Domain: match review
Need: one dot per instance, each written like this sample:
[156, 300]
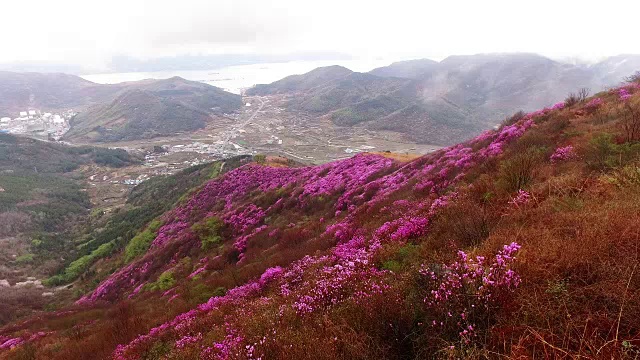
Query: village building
[57, 119]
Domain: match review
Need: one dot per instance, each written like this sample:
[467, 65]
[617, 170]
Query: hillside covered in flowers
[520, 243]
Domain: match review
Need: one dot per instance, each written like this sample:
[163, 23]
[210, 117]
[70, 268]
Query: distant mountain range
[124, 111]
[447, 101]
[430, 102]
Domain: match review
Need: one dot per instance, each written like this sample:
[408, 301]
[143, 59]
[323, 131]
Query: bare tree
[630, 122]
[635, 78]
[514, 118]
[571, 100]
[583, 94]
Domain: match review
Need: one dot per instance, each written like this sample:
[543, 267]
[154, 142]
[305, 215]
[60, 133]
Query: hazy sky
[90, 32]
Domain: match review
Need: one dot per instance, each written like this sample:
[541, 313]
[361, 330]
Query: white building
[23, 114]
[5, 120]
[57, 119]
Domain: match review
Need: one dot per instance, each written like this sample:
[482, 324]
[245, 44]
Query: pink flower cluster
[11, 343]
[624, 94]
[403, 228]
[465, 292]
[229, 348]
[522, 198]
[168, 232]
[317, 284]
[563, 153]
[594, 104]
[507, 134]
[335, 284]
[245, 218]
[187, 340]
[197, 272]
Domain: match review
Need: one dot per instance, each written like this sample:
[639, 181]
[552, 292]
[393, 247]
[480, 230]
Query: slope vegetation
[37, 179]
[42, 200]
[519, 243]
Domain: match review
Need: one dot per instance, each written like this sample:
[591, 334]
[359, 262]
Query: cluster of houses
[35, 122]
[37, 114]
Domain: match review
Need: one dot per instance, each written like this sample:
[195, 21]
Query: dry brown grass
[278, 161]
[406, 157]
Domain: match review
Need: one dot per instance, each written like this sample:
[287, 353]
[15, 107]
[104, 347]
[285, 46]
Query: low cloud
[90, 32]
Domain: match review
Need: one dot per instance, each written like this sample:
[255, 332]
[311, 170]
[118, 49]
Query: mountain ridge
[463, 93]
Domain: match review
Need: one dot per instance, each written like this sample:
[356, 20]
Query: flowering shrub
[187, 340]
[244, 219]
[563, 153]
[197, 272]
[522, 198]
[11, 343]
[230, 347]
[338, 283]
[465, 294]
[403, 228]
[507, 134]
[624, 94]
[593, 105]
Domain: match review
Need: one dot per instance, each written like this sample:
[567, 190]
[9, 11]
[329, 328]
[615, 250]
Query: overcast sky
[90, 32]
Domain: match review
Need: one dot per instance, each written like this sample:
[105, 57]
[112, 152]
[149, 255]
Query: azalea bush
[593, 105]
[465, 295]
[563, 153]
